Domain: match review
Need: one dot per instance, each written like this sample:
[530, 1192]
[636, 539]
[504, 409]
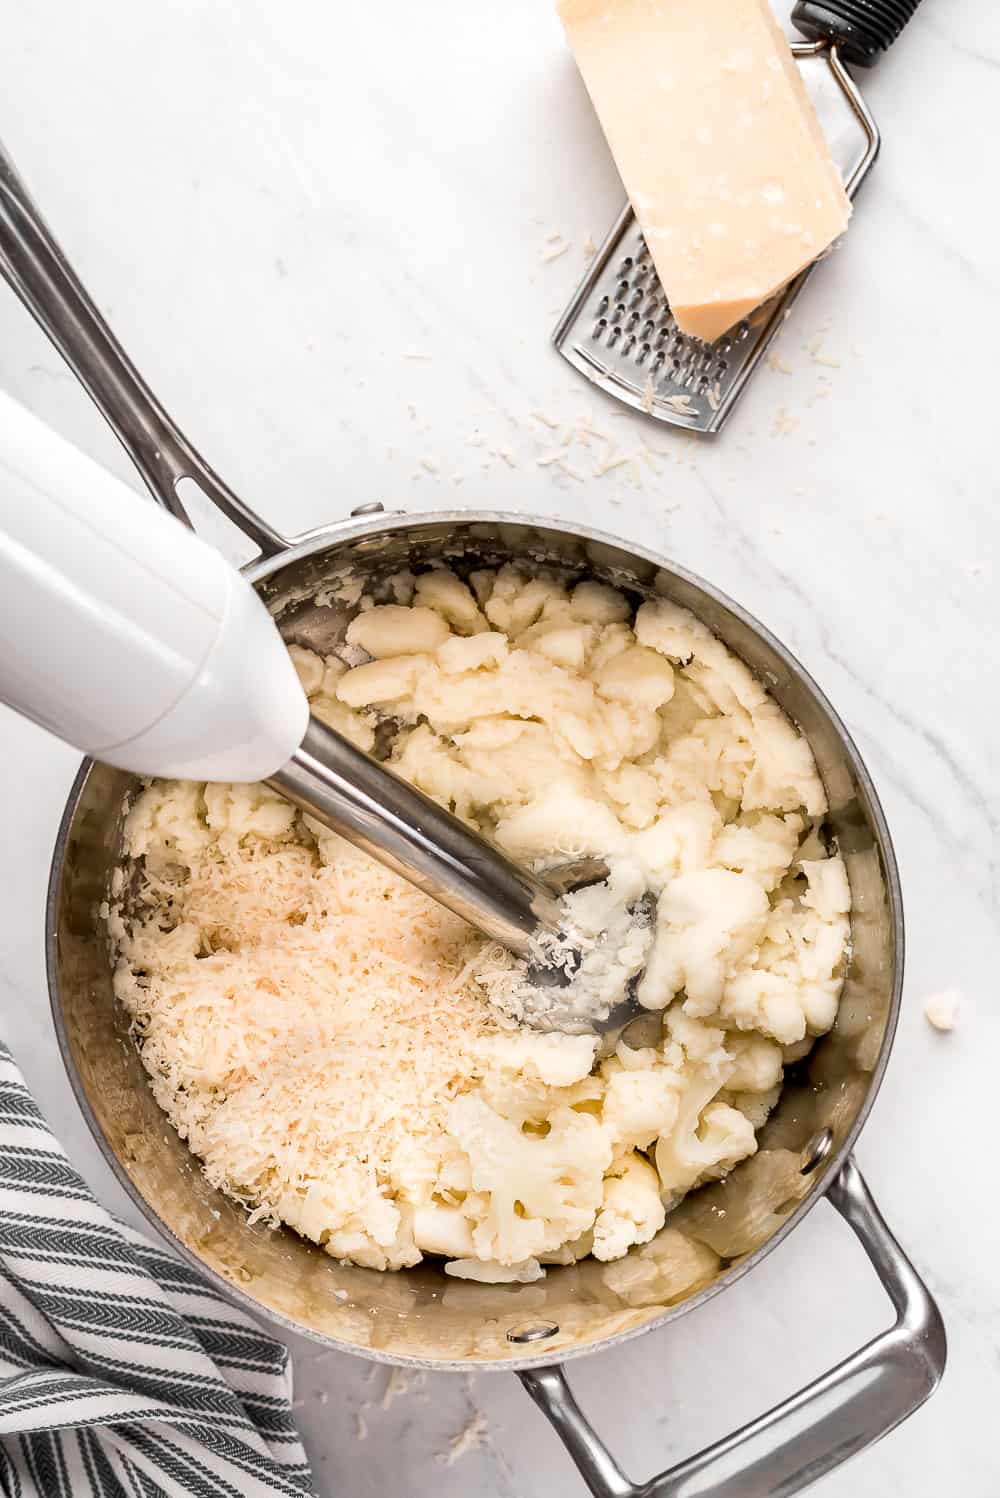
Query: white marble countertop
[273, 204]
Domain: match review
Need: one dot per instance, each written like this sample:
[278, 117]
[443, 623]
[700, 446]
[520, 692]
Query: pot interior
[420, 1314]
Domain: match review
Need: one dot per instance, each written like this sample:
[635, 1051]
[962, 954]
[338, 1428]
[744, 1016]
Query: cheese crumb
[941, 1009]
[399, 1383]
[474, 1434]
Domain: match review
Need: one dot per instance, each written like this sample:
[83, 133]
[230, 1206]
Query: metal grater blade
[618, 330]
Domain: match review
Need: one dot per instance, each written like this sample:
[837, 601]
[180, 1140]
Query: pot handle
[35, 267]
[817, 1429]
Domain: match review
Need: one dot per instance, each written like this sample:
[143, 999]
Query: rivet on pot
[816, 1151]
[532, 1331]
[376, 507]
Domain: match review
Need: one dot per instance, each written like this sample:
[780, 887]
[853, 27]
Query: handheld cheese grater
[618, 329]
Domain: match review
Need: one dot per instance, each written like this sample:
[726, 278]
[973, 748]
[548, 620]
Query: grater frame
[618, 332]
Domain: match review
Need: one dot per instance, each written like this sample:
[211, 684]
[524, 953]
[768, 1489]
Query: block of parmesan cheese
[717, 144]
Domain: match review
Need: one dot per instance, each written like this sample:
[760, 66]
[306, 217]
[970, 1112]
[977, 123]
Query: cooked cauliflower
[707, 1137]
[535, 1191]
[632, 1211]
[639, 1106]
[321, 1033]
[706, 923]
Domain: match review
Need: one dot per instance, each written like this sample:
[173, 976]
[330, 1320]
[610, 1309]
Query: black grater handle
[860, 29]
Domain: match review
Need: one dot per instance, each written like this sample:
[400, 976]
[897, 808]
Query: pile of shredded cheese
[343, 1054]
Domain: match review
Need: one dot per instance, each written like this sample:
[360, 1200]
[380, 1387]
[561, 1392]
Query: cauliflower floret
[677, 634]
[637, 675]
[516, 601]
[168, 816]
[564, 644]
[392, 629]
[757, 999]
[472, 653]
[564, 822]
[442, 1229]
[829, 893]
[323, 703]
[757, 1063]
[678, 842]
[784, 775]
[673, 631]
[597, 603]
[759, 844]
[689, 706]
[521, 760]
[524, 684]
[492, 734]
[725, 680]
[706, 923]
[613, 640]
[443, 591]
[711, 760]
[354, 726]
[556, 1060]
[428, 763]
[634, 792]
[623, 731]
[707, 1137]
[632, 1210]
[386, 680]
[248, 810]
[372, 1232]
[790, 986]
[639, 1105]
[308, 668]
[537, 1190]
[705, 1143]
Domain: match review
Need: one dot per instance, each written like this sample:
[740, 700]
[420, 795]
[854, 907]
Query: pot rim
[307, 544]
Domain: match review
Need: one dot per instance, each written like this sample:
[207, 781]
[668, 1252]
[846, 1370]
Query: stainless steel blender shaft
[346, 789]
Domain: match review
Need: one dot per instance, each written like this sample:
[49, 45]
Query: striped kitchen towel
[122, 1374]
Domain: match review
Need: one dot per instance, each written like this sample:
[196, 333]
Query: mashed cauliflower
[321, 1033]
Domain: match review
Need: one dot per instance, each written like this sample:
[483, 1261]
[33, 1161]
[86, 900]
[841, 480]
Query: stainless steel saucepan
[417, 1316]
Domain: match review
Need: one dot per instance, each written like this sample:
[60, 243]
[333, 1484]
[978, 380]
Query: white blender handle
[124, 634]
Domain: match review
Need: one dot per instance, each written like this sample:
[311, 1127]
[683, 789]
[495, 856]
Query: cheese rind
[717, 143]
